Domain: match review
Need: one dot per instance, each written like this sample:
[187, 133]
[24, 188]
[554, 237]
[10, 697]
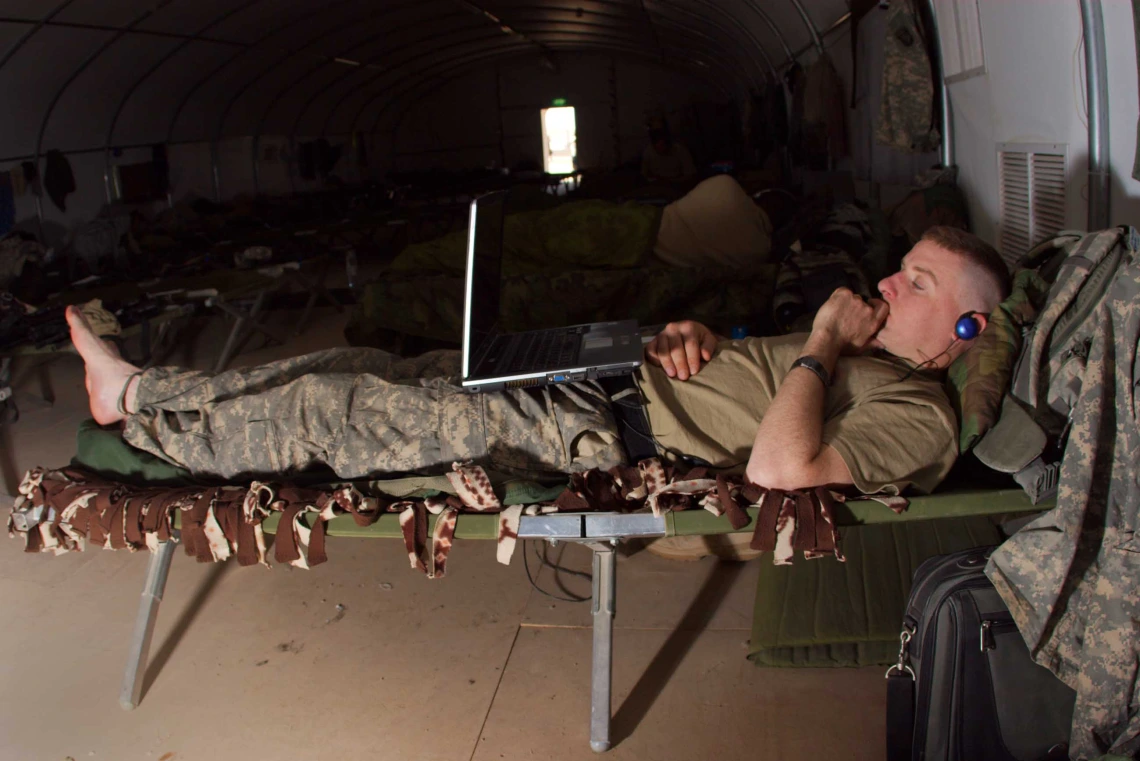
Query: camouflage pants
[365, 412]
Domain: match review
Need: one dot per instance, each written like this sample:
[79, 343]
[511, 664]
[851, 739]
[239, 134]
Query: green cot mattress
[823, 614]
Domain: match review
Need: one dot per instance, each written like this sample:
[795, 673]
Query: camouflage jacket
[906, 109]
[1071, 578]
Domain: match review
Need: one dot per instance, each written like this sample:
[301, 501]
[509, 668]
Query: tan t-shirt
[890, 432]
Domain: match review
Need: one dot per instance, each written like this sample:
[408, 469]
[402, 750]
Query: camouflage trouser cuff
[121, 405]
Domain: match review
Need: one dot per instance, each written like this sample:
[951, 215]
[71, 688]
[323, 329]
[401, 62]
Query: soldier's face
[924, 297]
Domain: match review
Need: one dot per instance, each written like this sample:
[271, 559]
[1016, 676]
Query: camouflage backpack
[1028, 438]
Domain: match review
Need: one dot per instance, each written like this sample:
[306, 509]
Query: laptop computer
[494, 360]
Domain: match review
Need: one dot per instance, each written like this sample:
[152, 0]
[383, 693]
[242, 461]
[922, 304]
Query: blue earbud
[967, 328]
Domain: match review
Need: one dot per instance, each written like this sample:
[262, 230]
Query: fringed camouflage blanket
[64, 510]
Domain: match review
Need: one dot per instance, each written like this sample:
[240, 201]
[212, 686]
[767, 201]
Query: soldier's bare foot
[106, 371]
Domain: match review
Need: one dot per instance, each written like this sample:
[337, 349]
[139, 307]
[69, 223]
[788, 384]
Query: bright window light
[559, 140]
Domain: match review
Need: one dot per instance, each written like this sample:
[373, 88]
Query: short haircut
[976, 251]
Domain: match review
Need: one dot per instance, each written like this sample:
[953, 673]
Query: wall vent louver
[1031, 183]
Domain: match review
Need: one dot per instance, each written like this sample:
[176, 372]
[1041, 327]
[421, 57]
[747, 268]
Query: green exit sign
[558, 102]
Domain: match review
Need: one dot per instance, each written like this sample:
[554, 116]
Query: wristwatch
[813, 364]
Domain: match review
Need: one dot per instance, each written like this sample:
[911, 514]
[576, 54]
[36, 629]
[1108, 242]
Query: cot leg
[304, 320]
[260, 325]
[231, 340]
[239, 333]
[156, 572]
[601, 671]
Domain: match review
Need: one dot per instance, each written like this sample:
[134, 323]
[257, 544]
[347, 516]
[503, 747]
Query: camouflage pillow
[979, 379]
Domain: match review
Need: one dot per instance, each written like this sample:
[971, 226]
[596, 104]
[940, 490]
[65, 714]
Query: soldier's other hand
[681, 348]
[849, 321]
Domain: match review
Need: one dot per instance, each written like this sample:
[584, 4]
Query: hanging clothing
[777, 104]
[795, 79]
[768, 120]
[31, 177]
[874, 160]
[160, 170]
[824, 114]
[7, 204]
[859, 9]
[19, 183]
[906, 108]
[136, 182]
[1136, 32]
[58, 179]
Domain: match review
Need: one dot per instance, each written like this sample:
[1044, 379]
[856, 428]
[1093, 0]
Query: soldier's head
[949, 273]
[660, 140]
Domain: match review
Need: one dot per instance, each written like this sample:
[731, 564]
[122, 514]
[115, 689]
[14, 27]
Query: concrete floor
[250, 664]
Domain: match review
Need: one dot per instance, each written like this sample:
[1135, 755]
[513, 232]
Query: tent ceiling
[88, 74]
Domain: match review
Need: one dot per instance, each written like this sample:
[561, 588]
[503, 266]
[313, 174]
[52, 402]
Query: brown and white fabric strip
[64, 510]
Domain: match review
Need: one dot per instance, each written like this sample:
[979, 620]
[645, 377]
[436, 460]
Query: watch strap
[811, 363]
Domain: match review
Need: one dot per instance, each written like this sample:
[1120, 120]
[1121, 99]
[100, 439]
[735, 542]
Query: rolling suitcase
[965, 687]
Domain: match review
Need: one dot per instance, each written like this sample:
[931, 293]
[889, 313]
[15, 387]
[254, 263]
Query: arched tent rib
[40, 24]
[728, 71]
[297, 15]
[281, 59]
[210, 75]
[504, 24]
[753, 6]
[394, 99]
[348, 94]
[676, 7]
[456, 63]
[267, 81]
[412, 88]
[370, 63]
[317, 66]
[816, 39]
[67, 83]
[1096, 74]
[349, 55]
[147, 74]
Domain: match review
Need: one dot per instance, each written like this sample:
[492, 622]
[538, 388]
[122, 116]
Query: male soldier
[853, 403]
[665, 159]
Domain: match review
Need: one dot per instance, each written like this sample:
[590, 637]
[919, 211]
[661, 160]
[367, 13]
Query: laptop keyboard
[540, 350]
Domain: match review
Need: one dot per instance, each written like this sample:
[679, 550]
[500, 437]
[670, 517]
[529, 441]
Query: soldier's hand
[681, 348]
[849, 321]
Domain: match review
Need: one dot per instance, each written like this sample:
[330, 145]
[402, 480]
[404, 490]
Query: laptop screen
[484, 264]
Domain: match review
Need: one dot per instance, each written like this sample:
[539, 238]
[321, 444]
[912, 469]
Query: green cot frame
[601, 532]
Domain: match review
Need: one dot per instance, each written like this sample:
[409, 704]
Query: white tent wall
[235, 166]
[190, 173]
[273, 168]
[1034, 91]
[190, 177]
[82, 205]
[457, 126]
